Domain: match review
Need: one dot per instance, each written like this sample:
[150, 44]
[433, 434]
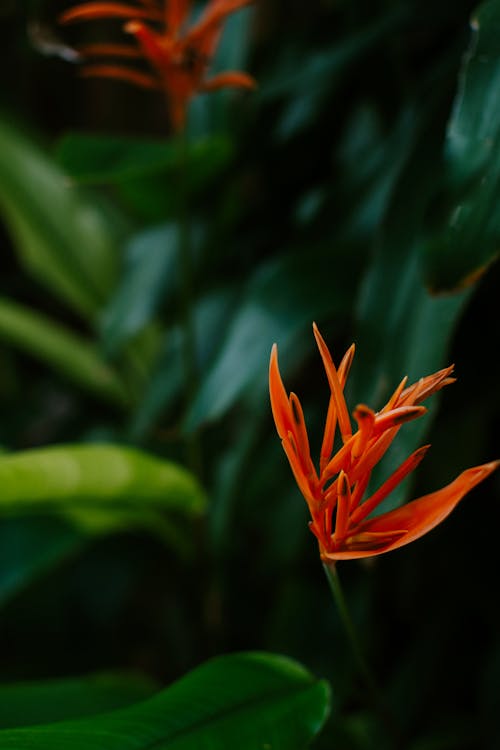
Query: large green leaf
[62, 236]
[472, 235]
[248, 701]
[70, 354]
[27, 703]
[282, 298]
[402, 328]
[102, 488]
[93, 474]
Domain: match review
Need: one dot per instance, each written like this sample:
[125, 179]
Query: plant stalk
[358, 654]
[186, 300]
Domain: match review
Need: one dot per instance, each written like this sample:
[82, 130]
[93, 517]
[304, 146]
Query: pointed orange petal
[230, 78]
[121, 74]
[373, 454]
[396, 417]
[343, 503]
[302, 480]
[92, 11]
[300, 436]
[328, 435]
[359, 491]
[395, 396]
[389, 485]
[280, 404]
[176, 12]
[422, 515]
[365, 417]
[149, 41]
[425, 387]
[345, 365]
[341, 460]
[335, 386]
[331, 416]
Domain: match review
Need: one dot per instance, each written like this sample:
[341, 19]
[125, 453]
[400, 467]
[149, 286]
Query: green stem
[187, 302]
[357, 651]
[345, 616]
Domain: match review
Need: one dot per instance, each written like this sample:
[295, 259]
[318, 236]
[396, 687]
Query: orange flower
[339, 487]
[178, 57]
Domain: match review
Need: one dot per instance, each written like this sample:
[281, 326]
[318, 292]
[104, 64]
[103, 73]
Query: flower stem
[186, 299]
[357, 651]
[345, 616]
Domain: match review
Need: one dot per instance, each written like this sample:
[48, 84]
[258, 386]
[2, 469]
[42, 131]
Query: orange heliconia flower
[335, 494]
[178, 57]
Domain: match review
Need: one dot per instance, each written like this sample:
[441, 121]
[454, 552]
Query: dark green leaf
[111, 159]
[472, 235]
[266, 315]
[403, 329]
[148, 278]
[248, 701]
[27, 703]
[31, 546]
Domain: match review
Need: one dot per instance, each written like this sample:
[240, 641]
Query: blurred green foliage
[359, 187]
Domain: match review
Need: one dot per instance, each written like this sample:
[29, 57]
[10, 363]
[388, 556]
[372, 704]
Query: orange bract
[335, 494]
[178, 57]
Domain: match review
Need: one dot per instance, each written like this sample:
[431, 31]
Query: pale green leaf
[61, 349]
[94, 475]
[61, 235]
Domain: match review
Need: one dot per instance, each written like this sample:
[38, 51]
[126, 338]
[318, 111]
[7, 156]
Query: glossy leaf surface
[94, 474]
[470, 242]
[247, 701]
[28, 703]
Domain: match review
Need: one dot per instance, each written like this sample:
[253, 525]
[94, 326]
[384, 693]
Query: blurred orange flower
[339, 487]
[178, 57]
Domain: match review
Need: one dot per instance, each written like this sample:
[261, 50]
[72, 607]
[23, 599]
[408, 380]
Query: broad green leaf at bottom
[247, 701]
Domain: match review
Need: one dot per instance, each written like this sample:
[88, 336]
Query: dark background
[325, 196]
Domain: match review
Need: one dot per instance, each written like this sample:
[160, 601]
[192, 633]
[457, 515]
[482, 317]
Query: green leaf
[472, 235]
[102, 488]
[402, 328]
[248, 701]
[26, 703]
[96, 474]
[61, 235]
[266, 315]
[31, 546]
[112, 159]
[72, 356]
[309, 85]
[148, 278]
[163, 390]
[145, 174]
